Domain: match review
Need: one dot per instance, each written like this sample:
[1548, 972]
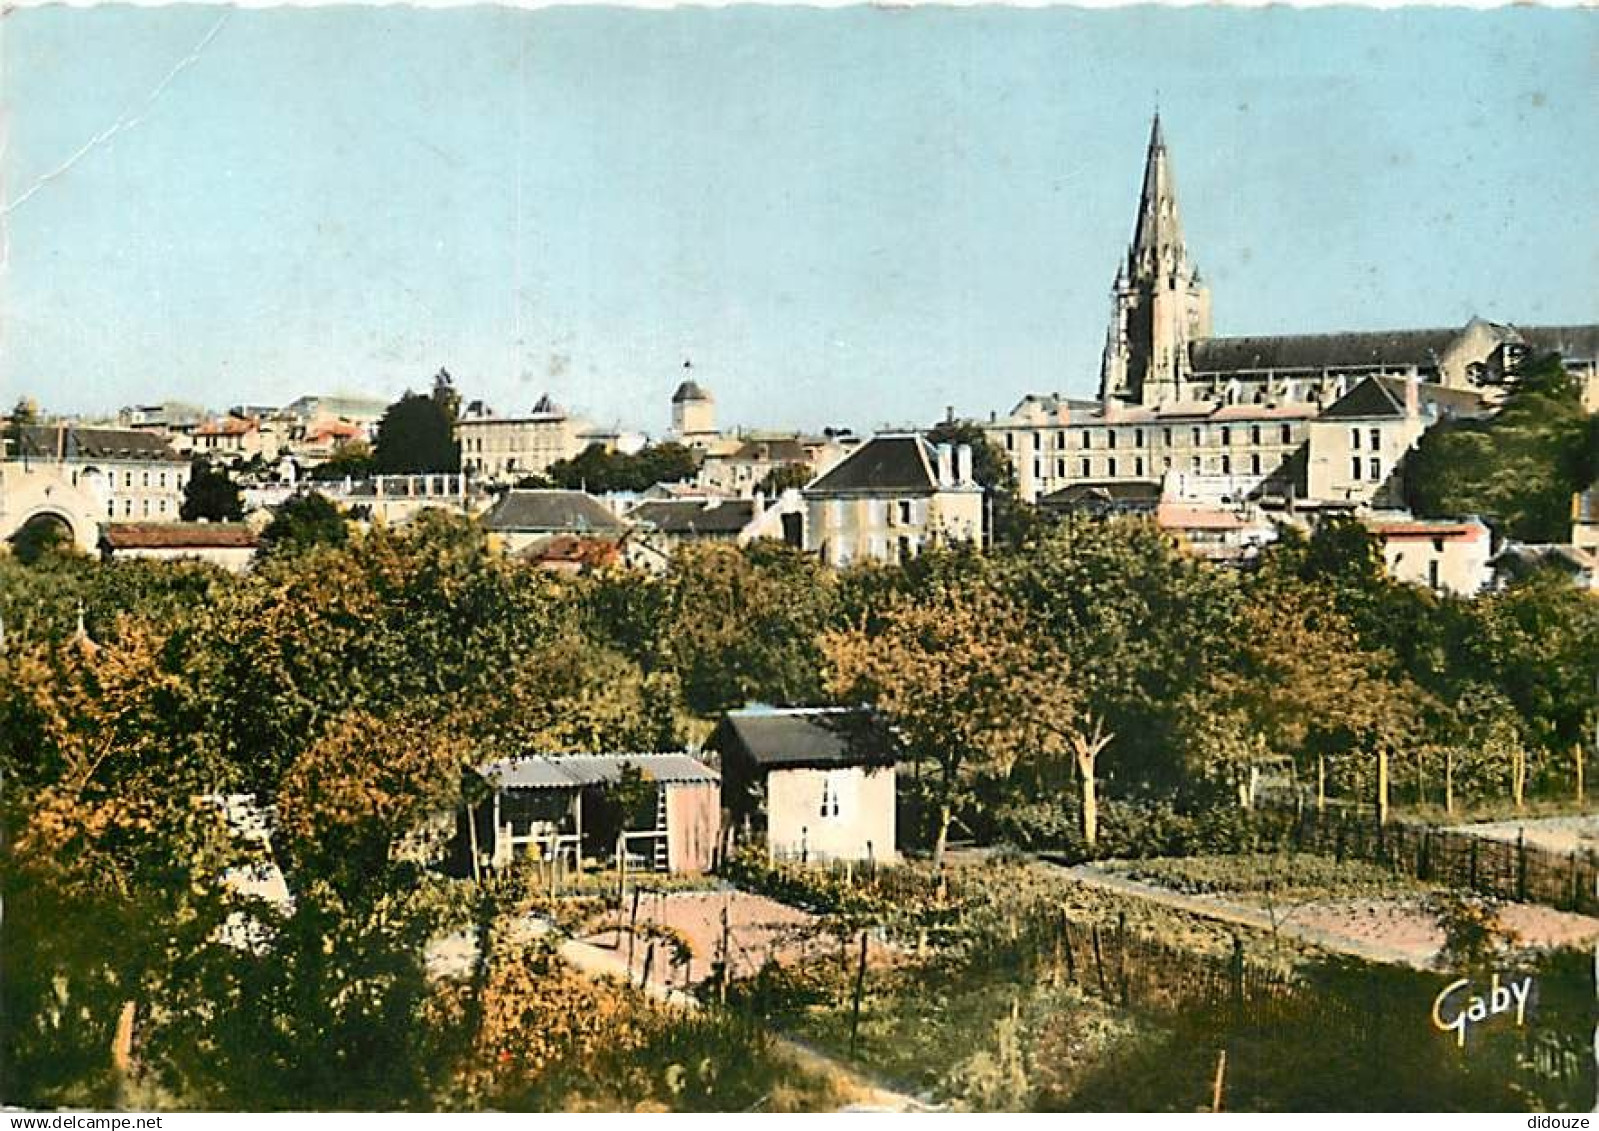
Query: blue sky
[851, 216]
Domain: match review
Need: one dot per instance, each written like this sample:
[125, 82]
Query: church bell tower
[1159, 305]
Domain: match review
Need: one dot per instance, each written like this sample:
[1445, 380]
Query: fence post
[1121, 957]
[1099, 963]
[1521, 864]
[1066, 935]
[855, 1005]
[1471, 881]
[1238, 978]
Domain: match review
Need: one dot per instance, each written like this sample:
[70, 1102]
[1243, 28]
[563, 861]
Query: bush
[1134, 829]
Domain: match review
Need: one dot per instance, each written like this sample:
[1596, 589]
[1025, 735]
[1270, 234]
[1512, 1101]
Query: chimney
[946, 465]
[1412, 395]
[757, 504]
[963, 464]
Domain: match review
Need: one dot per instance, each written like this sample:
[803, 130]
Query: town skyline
[927, 227]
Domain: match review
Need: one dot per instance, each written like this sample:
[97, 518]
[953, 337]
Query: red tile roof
[180, 536]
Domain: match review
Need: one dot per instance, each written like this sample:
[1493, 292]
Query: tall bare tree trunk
[945, 816]
[1449, 780]
[1090, 809]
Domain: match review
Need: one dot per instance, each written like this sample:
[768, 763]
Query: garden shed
[573, 808]
[811, 783]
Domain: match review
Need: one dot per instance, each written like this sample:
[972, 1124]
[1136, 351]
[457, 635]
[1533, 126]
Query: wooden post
[1449, 780]
[1382, 787]
[621, 884]
[1577, 753]
[122, 1041]
[855, 1004]
[632, 930]
[1121, 957]
[727, 956]
[1238, 977]
[1321, 783]
[1221, 1077]
[1521, 865]
[1066, 937]
[1099, 962]
[649, 963]
[471, 843]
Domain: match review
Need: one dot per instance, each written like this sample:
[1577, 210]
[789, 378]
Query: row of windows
[127, 479]
[1136, 467]
[127, 508]
[1224, 434]
[880, 512]
[1376, 439]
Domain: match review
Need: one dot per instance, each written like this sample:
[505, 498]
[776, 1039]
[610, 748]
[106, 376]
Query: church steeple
[1159, 305]
[1158, 234]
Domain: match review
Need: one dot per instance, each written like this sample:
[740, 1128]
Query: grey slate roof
[551, 511]
[771, 737]
[1352, 350]
[689, 391]
[72, 441]
[883, 463]
[1385, 397]
[694, 516]
[1573, 343]
[1116, 491]
[575, 771]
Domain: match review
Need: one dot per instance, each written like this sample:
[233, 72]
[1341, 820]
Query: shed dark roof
[574, 771]
[695, 516]
[774, 738]
[883, 463]
[550, 511]
[1351, 350]
[72, 441]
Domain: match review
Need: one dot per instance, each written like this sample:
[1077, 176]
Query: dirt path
[869, 1094]
[1212, 907]
[1395, 931]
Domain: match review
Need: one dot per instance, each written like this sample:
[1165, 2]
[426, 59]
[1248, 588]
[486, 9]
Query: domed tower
[1159, 304]
[693, 413]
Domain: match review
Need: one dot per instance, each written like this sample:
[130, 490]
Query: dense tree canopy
[598, 470]
[351, 681]
[1519, 468]
[211, 495]
[416, 434]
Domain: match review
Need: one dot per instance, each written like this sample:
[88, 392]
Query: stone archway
[41, 531]
[45, 493]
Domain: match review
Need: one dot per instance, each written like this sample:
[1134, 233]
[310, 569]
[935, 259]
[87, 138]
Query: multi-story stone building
[891, 498]
[127, 473]
[1218, 419]
[509, 447]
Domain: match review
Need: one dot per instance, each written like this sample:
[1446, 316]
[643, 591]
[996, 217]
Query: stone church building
[1233, 418]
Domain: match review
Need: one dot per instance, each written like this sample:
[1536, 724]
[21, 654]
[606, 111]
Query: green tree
[351, 460]
[211, 495]
[785, 477]
[416, 434]
[599, 470]
[965, 686]
[1518, 468]
[304, 521]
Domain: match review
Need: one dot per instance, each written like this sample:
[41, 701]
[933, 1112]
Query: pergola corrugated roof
[575, 771]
